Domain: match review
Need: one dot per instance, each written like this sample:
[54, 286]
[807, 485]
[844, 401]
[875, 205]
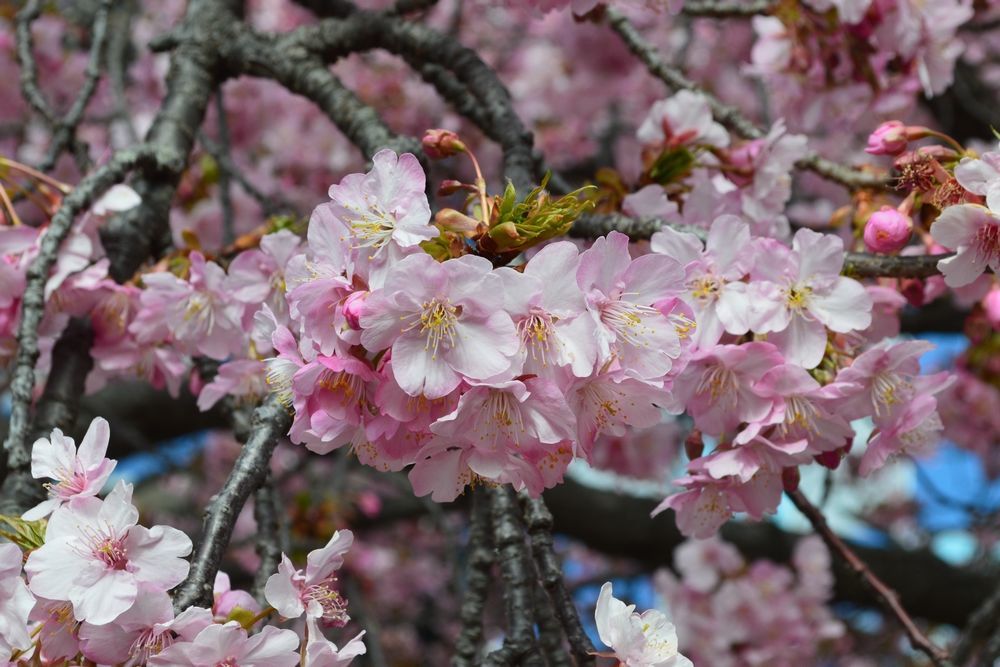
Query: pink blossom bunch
[729, 612]
[96, 588]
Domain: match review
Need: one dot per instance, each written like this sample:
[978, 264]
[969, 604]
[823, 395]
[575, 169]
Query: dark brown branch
[887, 597]
[983, 622]
[539, 521]
[477, 583]
[270, 423]
[26, 60]
[519, 645]
[266, 514]
[726, 114]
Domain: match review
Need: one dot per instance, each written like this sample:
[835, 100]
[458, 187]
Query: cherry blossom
[638, 640]
[16, 602]
[96, 557]
[973, 231]
[78, 473]
[312, 592]
[230, 645]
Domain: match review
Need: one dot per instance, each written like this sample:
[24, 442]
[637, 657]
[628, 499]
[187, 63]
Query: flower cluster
[732, 613]
[95, 582]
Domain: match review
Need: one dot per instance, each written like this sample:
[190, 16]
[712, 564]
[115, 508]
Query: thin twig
[887, 597]
[727, 8]
[225, 194]
[270, 422]
[30, 90]
[983, 621]
[726, 114]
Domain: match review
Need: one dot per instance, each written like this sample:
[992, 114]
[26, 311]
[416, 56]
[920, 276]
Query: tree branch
[728, 115]
[728, 8]
[887, 597]
[539, 520]
[477, 583]
[270, 423]
[519, 646]
[268, 542]
[983, 622]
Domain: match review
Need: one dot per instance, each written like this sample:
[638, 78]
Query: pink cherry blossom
[548, 311]
[914, 430]
[973, 231]
[16, 603]
[226, 599]
[96, 557]
[229, 646]
[312, 592]
[638, 640]
[143, 631]
[78, 473]
[717, 387]
[680, 120]
[889, 138]
[621, 294]
[321, 652]
[798, 294]
[445, 323]
[713, 286]
[199, 312]
[981, 176]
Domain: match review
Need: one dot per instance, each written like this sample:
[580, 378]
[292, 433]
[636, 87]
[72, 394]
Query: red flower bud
[442, 143]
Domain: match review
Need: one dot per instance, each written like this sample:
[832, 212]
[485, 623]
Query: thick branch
[539, 521]
[519, 646]
[477, 583]
[887, 597]
[270, 422]
[726, 8]
[728, 115]
[193, 78]
[266, 513]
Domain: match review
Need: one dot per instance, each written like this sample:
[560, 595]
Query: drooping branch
[33, 302]
[519, 645]
[728, 115]
[887, 597]
[270, 422]
[539, 522]
[477, 583]
[30, 90]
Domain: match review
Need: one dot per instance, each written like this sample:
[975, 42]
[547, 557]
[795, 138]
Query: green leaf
[28, 535]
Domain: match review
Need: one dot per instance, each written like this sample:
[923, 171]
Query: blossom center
[627, 320]
[719, 382]
[437, 319]
[149, 643]
[373, 226]
[888, 390]
[799, 412]
[705, 287]
[501, 417]
[797, 297]
[231, 661]
[111, 551]
[538, 336]
[334, 606]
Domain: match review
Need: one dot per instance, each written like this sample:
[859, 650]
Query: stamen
[436, 319]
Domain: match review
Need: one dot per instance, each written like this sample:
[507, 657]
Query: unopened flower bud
[442, 143]
[991, 304]
[744, 159]
[889, 138]
[354, 308]
[887, 230]
[451, 186]
[694, 445]
[455, 221]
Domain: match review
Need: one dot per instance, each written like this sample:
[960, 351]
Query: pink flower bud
[442, 143]
[790, 478]
[991, 304]
[744, 159]
[889, 138]
[354, 308]
[887, 230]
